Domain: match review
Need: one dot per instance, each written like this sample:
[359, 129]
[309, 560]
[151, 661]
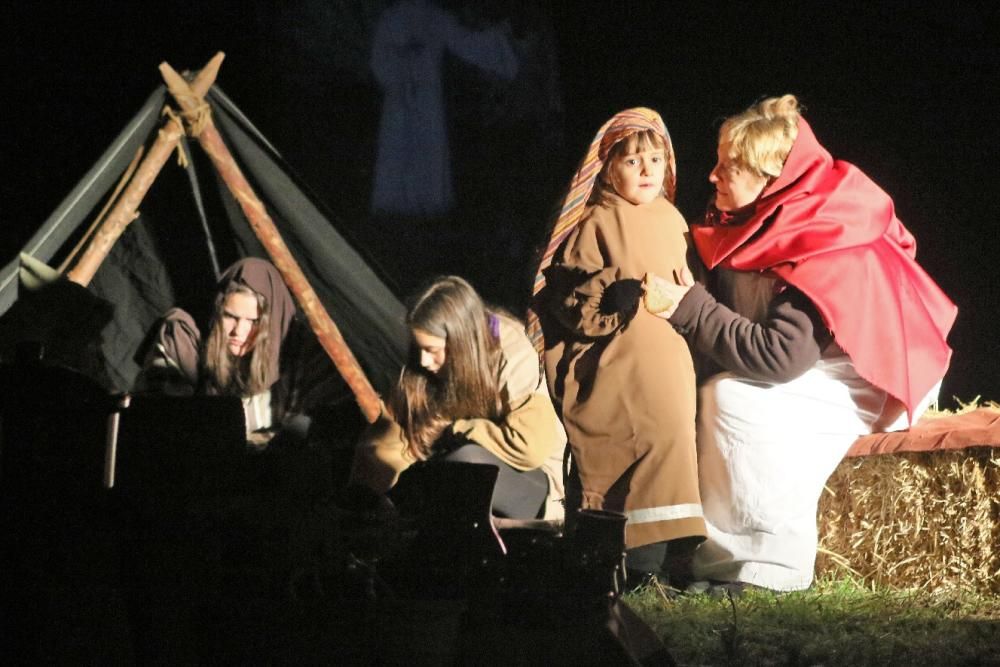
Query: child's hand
[662, 296]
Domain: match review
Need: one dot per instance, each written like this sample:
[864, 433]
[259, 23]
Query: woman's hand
[662, 296]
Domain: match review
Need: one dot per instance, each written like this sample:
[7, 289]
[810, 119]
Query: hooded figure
[254, 348]
[819, 325]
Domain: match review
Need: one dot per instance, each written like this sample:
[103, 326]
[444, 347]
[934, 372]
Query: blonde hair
[226, 373]
[467, 385]
[761, 137]
[633, 143]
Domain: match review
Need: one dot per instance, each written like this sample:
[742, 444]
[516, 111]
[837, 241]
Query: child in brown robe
[624, 382]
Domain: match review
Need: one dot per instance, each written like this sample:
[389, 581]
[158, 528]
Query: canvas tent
[167, 257]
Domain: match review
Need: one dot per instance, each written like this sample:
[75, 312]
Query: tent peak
[208, 73]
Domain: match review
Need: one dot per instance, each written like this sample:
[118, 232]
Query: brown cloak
[624, 378]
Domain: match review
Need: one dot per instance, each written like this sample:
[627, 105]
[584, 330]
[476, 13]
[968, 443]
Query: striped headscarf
[622, 125]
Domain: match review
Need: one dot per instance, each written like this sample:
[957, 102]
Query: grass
[836, 622]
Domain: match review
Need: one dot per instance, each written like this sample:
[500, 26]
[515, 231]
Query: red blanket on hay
[980, 427]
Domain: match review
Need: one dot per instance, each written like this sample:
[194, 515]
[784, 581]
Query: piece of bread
[655, 298]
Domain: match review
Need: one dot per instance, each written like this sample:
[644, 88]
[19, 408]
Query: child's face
[637, 174]
[433, 350]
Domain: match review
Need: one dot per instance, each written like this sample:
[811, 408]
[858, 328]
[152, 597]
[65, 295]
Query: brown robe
[623, 377]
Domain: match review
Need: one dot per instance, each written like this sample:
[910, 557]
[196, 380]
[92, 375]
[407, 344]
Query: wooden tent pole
[203, 128]
[125, 209]
[96, 224]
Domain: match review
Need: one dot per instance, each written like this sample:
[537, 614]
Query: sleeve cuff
[686, 315]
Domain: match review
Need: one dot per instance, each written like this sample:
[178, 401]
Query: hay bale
[928, 520]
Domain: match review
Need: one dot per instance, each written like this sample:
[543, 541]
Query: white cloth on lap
[765, 450]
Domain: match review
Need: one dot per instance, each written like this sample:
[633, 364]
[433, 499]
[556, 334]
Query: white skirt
[764, 453]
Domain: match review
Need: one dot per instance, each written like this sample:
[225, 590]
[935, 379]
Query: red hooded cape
[829, 230]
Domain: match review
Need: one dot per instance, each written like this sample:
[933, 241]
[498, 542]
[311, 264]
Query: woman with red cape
[815, 326]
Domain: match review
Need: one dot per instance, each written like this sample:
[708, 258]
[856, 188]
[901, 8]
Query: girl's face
[240, 314]
[734, 187]
[432, 350]
[637, 174]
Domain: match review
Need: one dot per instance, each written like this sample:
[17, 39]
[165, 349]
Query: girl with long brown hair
[471, 391]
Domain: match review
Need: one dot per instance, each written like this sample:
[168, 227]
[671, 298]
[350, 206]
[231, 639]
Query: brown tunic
[623, 377]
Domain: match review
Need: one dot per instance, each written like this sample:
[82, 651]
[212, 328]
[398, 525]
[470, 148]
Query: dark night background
[906, 94]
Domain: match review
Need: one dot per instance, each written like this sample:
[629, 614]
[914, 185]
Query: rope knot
[174, 118]
[197, 117]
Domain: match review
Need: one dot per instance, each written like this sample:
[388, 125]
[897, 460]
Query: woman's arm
[380, 456]
[170, 365]
[784, 345]
[524, 438]
[530, 430]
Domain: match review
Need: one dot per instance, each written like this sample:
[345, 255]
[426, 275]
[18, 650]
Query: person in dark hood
[254, 348]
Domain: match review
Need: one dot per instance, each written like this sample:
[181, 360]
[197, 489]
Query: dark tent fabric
[64, 221]
[167, 258]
